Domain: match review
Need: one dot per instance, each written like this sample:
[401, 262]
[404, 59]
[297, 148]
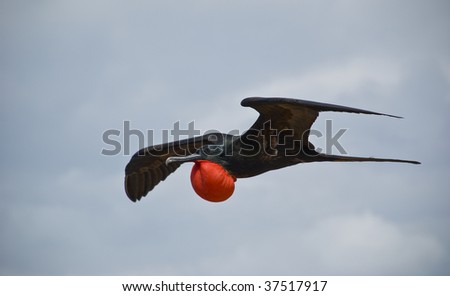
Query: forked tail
[326, 157]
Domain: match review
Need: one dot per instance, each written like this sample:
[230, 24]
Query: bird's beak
[181, 159]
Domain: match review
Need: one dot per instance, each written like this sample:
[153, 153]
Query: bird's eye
[212, 150]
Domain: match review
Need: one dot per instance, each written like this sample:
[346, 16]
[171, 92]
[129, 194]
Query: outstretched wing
[291, 114]
[148, 166]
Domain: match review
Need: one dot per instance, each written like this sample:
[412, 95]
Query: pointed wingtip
[130, 188]
[318, 106]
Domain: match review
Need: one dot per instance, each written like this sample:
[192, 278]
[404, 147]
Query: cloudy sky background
[71, 70]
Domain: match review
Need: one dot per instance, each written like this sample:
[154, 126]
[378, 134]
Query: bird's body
[277, 139]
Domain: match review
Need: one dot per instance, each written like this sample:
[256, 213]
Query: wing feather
[147, 168]
[296, 115]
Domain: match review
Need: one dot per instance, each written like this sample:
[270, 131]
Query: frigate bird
[278, 138]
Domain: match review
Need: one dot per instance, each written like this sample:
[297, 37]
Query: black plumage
[277, 139]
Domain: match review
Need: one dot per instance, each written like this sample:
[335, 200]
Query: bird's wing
[291, 114]
[148, 166]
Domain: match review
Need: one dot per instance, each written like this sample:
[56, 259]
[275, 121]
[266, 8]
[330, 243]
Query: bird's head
[210, 180]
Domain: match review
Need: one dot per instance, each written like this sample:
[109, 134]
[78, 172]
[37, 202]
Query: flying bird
[278, 138]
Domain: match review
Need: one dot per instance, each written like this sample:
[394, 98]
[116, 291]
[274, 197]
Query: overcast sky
[71, 70]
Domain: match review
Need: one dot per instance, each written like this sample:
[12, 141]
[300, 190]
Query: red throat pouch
[211, 181]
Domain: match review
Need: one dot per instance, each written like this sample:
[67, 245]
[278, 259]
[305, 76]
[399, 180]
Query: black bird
[277, 139]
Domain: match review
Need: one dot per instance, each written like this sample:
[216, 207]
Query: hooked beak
[181, 159]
